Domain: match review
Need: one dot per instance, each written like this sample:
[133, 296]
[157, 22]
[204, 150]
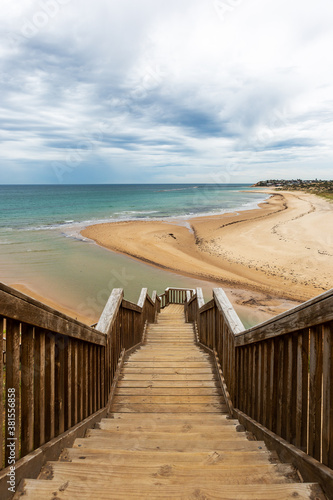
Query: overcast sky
[165, 91]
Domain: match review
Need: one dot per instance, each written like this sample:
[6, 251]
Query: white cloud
[162, 89]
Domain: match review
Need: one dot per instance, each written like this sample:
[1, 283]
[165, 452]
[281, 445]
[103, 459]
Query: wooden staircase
[168, 436]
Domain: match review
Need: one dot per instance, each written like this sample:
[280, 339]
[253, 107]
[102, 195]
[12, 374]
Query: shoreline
[280, 249]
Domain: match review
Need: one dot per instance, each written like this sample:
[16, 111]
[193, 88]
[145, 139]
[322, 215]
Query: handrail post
[108, 316]
[201, 302]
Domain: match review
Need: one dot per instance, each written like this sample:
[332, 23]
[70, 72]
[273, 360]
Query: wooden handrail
[313, 312]
[277, 375]
[18, 306]
[60, 369]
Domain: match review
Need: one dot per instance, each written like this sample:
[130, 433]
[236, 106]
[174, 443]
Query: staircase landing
[168, 436]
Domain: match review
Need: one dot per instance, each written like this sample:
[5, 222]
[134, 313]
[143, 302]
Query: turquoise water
[41, 247]
[49, 207]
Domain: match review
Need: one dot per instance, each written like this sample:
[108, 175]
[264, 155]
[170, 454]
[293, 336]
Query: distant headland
[322, 188]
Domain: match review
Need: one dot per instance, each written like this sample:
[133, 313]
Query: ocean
[41, 246]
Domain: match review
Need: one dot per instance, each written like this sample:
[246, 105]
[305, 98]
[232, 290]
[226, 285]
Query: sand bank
[283, 249]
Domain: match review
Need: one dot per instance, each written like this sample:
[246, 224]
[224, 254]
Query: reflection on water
[80, 275]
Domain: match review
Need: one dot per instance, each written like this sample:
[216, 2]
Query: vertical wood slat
[95, 378]
[250, 383]
[273, 392]
[302, 389]
[100, 387]
[49, 386]
[59, 407]
[327, 431]
[101, 396]
[85, 380]
[27, 389]
[90, 380]
[288, 386]
[39, 388]
[293, 419]
[74, 380]
[260, 381]
[265, 374]
[279, 380]
[79, 382]
[68, 384]
[1, 398]
[12, 431]
[315, 396]
[246, 378]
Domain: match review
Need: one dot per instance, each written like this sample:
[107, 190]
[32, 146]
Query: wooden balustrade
[57, 370]
[285, 372]
[175, 296]
[279, 373]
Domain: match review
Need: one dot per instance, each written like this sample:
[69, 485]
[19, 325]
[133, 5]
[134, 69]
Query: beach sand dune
[284, 249]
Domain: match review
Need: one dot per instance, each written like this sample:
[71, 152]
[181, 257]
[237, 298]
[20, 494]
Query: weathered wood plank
[27, 389]
[313, 312]
[16, 305]
[39, 388]
[2, 417]
[142, 298]
[59, 407]
[109, 314]
[170, 408]
[315, 394]
[12, 429]
[74, 383]
[49, 386]
[68, 374]
[302, 389]
[310, 469]
[130, 306]
[78, 491]
[327, 428]
[230, 316]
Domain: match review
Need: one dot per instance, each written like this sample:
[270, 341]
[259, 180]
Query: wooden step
[161, 458]
[184, 417]
[189, 435]
[168, 436]
[183, 377]
[115, 441]
[149, 425]
[168, 399]
[168, 391]
[84, 490]
[146, 382]
[169, 408]
[202, 476]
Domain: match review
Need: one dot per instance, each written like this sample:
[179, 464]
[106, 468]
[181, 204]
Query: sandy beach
[283, 249]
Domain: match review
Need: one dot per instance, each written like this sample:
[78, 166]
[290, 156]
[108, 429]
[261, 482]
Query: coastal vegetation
[319, 187]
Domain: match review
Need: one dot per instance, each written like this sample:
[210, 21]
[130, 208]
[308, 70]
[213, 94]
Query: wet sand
[282, 250]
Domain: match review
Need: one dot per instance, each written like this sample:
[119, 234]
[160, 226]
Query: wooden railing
[174, 296]
[57, 370]
[278, 374]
